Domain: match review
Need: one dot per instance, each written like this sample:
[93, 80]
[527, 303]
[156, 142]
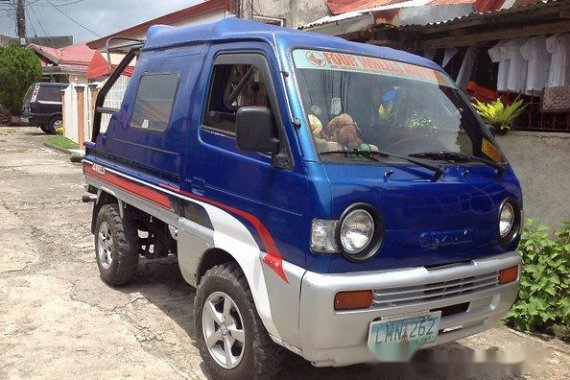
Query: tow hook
[88, 198]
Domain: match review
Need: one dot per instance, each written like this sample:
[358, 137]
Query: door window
[234, 86]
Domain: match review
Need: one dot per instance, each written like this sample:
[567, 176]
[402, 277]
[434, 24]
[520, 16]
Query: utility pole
[21, 22]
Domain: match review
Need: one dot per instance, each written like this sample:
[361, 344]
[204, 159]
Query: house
[287, 13]
[467, 37]
[66, 64]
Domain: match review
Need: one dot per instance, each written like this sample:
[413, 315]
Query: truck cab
[338, 200]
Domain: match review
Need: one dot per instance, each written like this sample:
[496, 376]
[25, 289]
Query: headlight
[359, 233]
[322, 236]
[356, 231]
[506, 220]
[509, 223]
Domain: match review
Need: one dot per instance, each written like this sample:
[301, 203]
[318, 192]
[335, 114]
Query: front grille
[409, 295]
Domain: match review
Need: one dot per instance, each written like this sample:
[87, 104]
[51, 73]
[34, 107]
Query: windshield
[357, 103]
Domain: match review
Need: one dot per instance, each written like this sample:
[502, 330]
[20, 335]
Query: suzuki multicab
[339, 200]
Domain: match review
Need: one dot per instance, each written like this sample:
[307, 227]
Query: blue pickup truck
[338, 200]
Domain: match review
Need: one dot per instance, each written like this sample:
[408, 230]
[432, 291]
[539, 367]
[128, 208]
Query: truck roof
[232, 29]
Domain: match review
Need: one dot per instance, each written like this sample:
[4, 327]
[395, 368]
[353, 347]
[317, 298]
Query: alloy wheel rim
[57, 124]
[105, 245]
[223, 331]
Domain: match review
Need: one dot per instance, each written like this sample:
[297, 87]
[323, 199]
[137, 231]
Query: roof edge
[195, 10]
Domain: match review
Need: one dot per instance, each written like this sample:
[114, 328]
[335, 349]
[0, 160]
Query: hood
[427, 222]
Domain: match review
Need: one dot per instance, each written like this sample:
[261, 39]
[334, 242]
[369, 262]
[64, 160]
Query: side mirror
[255, 131]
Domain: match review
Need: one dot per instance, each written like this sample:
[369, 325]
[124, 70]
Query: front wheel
[115, 246]
[231, 337]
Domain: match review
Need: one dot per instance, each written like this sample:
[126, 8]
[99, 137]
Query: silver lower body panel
[339, 338]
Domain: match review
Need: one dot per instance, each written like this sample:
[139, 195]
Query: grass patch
[62, 142]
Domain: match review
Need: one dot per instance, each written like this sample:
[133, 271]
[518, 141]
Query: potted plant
[498, 115]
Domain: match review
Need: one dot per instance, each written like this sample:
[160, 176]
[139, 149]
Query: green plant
[61, 142]
[19, 68]
[422, 120]
[544, 296]
[60, 131]
[499, 115]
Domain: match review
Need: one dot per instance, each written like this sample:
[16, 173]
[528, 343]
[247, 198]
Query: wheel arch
[211, 258]
[103, 198]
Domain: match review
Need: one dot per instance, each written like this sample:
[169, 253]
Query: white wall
[541, 163]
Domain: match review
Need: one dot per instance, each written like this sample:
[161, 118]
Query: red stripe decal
[127, 185]
[272, 257]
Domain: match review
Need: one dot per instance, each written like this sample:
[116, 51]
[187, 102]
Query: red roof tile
[71, 58]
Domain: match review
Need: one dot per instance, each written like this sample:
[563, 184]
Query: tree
[19, 68]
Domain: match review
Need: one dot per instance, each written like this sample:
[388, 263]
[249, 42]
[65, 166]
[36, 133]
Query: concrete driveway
[58, 320]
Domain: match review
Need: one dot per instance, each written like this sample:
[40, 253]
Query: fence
[79, 106]
[76, 112]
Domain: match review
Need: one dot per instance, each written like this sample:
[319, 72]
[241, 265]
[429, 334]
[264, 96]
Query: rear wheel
[53, 124]
[115, 246]
[232, 339]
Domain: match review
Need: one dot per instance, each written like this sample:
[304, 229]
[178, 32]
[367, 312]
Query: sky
[86, 19]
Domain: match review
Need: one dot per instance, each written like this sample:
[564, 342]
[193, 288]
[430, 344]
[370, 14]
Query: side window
[50, 94]
[154, 101]
[234, 86]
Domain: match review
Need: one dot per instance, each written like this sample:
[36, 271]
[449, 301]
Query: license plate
[25, 119]
[397, 338]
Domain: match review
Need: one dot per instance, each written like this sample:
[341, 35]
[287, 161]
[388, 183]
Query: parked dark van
[339, 200]
[42, 106]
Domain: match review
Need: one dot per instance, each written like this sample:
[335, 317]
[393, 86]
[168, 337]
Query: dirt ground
[58, 320]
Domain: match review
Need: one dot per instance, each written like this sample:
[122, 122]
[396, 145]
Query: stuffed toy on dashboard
[343, 130]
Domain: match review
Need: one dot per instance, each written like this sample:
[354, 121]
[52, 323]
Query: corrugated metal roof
[503, 13]
[331, 19]
[516, 6]
[370, 8]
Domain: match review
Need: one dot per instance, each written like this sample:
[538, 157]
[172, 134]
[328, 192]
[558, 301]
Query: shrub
[60, 131]
[544, 298]
[19, 68]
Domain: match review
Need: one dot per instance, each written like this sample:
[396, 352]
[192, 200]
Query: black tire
[123, 252]
[51, 124]
[262, 358]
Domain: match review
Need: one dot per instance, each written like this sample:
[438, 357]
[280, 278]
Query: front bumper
[470, 300]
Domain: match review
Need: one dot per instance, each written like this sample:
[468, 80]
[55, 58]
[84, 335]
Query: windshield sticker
[324, 60]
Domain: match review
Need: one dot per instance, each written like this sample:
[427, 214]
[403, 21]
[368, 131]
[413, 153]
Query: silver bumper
[471, 300]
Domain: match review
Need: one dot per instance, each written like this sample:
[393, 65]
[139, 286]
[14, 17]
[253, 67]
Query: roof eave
[341, 27]
[193, 11]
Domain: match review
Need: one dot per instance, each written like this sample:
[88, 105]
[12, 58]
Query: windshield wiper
[373, 153]
[458, 157]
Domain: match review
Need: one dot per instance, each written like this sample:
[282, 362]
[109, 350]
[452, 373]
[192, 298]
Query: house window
[154, 101]
[234, 86]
